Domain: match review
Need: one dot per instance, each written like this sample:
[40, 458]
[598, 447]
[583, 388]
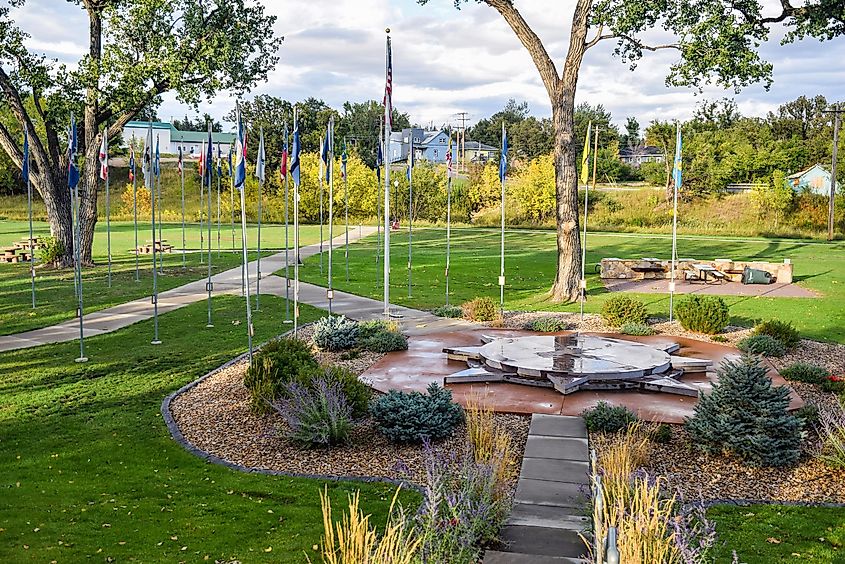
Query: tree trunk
[566, 285]
[57, 200]
[89, 185]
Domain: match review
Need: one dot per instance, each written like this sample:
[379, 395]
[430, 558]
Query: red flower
[834, 378]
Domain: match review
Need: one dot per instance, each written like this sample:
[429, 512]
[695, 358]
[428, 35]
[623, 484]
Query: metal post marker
[346, 208]
[202, 189]
[80, 312]
[502, 172]
[249, 330]
[321, 209]
[294, 169]
[219, 174]
[387, 128]
[448, 212]
[108, 201]
[677, 182]
[160, 238]
[330, 171]
[410, 210]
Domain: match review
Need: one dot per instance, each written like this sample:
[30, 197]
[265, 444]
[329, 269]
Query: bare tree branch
[13, 98]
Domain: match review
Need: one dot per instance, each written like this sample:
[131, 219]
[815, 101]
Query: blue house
[816, 179]
[428, 145]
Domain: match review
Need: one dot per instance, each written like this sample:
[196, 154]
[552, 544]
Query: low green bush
[413, 417]
[620, 309]
[51, 250]
[805, 372]
[357, 393]
[606, 418]
[385, 342]
[719, 338]
[763, 345]
[662, 434]
[548, 324]
[481, 309]
[335, 333]
[834, 384]
[276, 364]
[636, 329]
[451, 311]
[807, 413]
[781, 330]
[702, 314]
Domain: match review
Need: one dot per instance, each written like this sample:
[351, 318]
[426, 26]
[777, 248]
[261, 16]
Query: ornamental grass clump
[276, 364]
[317, 416]
[832, 432]
[745, 415]
[490, 441]
[620, 309]
[763, 345]
[415, 417]
[335, 333]
[354, 539]
[702, 314]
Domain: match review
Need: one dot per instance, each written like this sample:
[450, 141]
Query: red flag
[104, 157]
[284, 166]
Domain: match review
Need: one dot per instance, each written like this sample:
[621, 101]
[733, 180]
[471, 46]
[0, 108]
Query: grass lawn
[90, 473]
[55, 296]
[762, 534]
[531, 264]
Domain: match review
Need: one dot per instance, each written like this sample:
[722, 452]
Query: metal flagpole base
[82, 359]
[209, 326]
[288, 321]
[156, 342]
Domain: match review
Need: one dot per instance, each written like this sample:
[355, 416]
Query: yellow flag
[585, 160]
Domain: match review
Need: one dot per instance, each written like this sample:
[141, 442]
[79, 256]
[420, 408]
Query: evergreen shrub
[335, 333]
[764, 345]
[606, 418]
[620, 309]
[277, 363]
[702, 314]
[747, 416]
[781, 330]
[636, 329]
[548, 324]
[481, 309]
[805, 372]
[451, 311]
[414, 417]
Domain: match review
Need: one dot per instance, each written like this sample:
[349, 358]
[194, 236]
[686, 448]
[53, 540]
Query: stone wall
[651, 268]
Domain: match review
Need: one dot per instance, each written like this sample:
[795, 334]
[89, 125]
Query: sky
[448, 61]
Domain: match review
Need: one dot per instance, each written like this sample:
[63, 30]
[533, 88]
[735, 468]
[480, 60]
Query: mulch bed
[215, 416]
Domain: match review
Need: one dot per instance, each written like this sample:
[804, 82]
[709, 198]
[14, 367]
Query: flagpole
[410, 209]
[207, 172]
[151, 180]
[330, 170]
[448, 213]
[78, 263]
[387, 128]
[260, 198]
[295, 169]
[202, 188]
[27, 162]
[108, 200]
[135, 206]
[321, 171]
[677, 174]
[378, 192]
[287, 246]
[182, 182]
[219, 173]
[232, 198]
[160, 238]
[583, 283]
[249, 330]
[346, 206]
[502, 173]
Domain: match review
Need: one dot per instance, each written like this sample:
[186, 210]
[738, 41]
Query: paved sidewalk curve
[229, 282]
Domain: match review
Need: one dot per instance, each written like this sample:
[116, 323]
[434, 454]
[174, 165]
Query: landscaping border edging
[176, 435]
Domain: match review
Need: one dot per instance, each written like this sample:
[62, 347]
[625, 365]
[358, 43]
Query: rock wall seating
[652, 268]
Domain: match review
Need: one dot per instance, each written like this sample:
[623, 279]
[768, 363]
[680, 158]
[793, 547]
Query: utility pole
[837, 111]
[462, 116]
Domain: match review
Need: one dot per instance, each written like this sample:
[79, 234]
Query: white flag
[260, 161]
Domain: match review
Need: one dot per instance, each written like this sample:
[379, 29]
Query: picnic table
[160, 247]
[13, 254]
[702, 272]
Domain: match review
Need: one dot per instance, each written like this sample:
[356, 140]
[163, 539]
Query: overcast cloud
[447, 61]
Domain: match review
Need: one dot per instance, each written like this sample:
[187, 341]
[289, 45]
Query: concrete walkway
[552, 496]
[414, 322]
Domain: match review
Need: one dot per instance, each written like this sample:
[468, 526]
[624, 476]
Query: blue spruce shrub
[335, 333]
[414, 417]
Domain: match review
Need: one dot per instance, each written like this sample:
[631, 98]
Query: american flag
[104, 156]
[388, 87]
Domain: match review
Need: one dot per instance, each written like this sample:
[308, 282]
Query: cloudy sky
[448, 61]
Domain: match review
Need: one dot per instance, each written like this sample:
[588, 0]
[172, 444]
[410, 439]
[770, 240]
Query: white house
[171, 139]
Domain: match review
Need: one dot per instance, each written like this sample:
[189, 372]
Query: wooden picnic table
[705, 271]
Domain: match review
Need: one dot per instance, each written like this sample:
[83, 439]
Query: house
[642, 154]
[171, 139]
[816, 179]
[428, 145]
[478, 152]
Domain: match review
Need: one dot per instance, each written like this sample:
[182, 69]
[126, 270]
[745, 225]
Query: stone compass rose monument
[569, 363]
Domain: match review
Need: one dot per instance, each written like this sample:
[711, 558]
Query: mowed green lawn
[764, 534]
[89, 472]
[55, 296]
[531, 263]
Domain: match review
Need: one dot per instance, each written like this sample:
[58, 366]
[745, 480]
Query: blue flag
[677, 174]
[324, 152]
[231, 150]
[240, 152]
[25, 168]
[209, 157]
[294, 154]
[503, 159]
[157, 161]
[72, 170]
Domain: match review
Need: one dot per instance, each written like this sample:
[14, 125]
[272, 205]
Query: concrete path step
[552, 496]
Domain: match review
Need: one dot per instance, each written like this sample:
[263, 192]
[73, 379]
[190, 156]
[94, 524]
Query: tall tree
[137, 50]
[631, 138]
[716, 41]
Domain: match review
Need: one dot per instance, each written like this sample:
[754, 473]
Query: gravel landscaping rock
[214, 416]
